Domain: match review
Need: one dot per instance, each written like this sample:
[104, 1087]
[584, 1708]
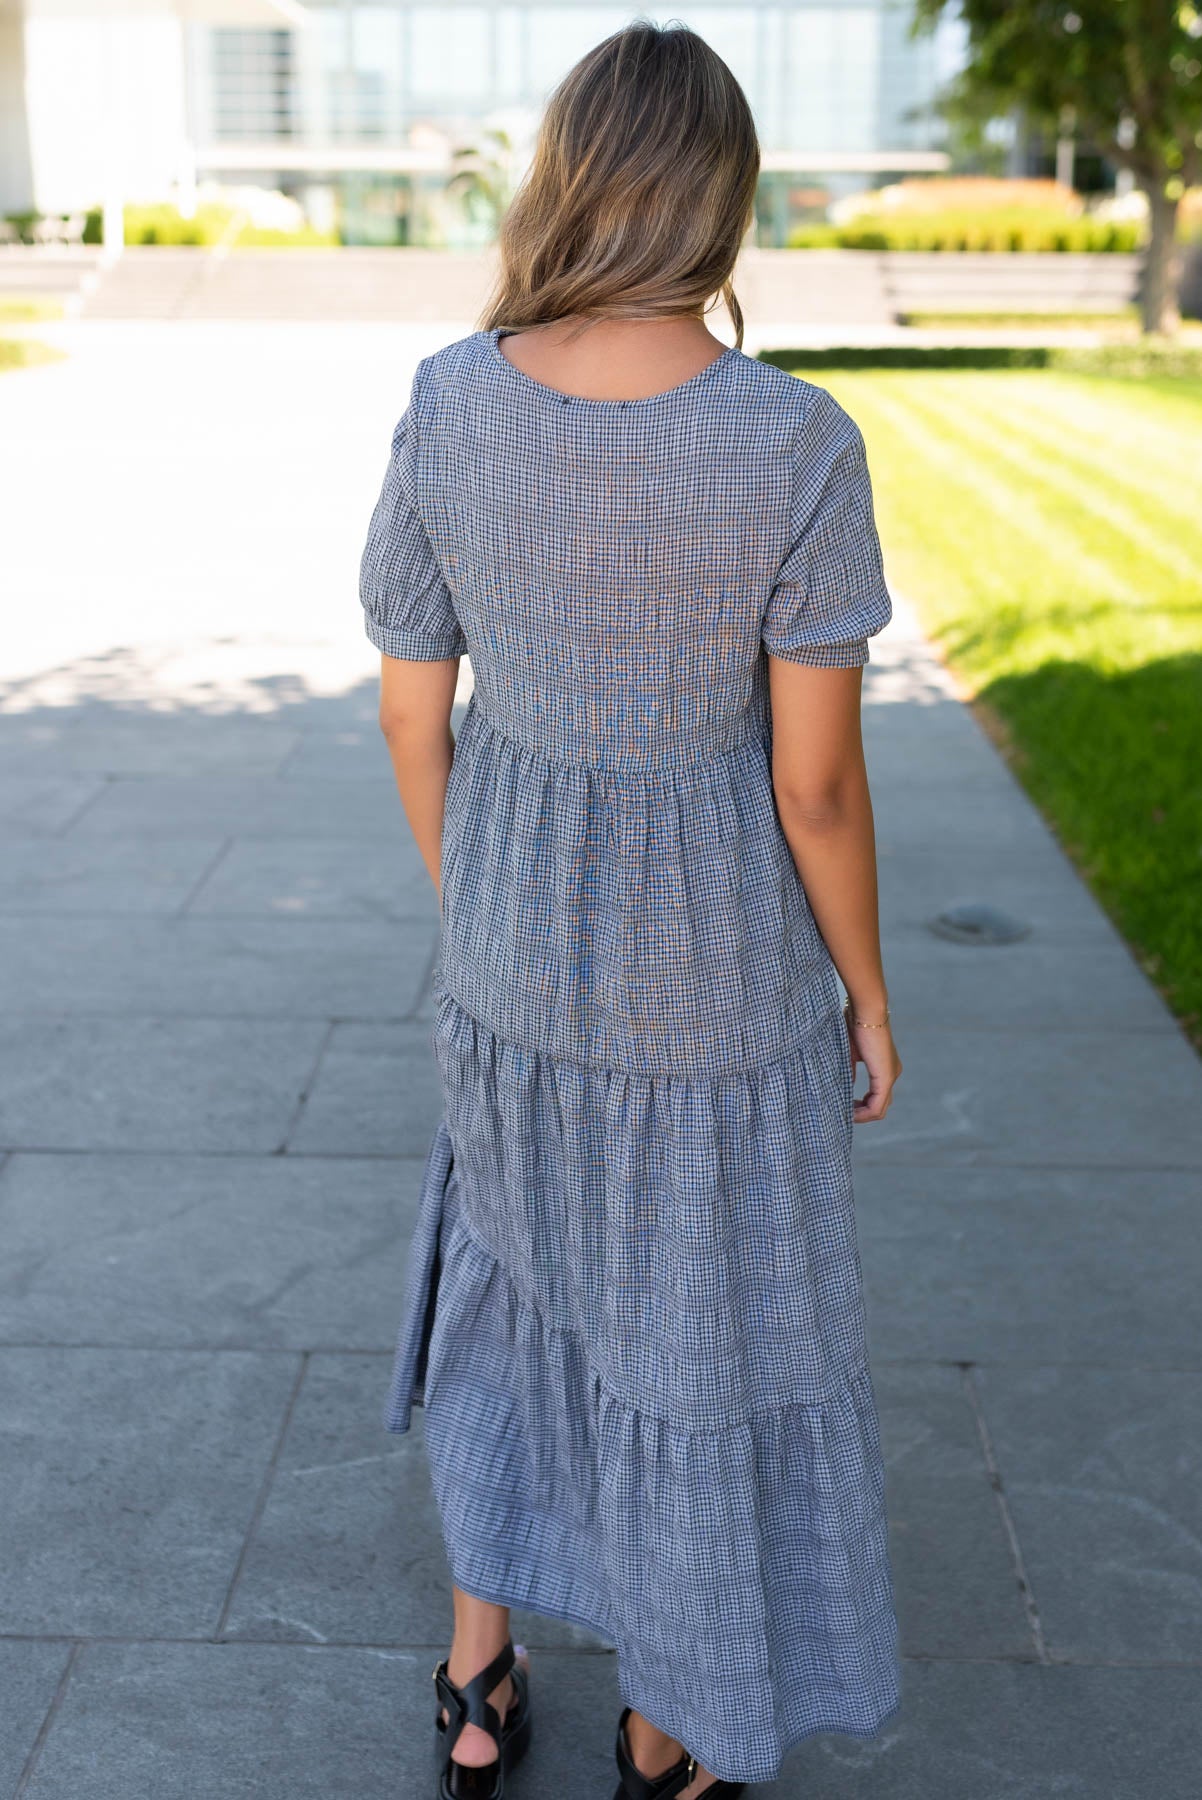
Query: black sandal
[637, 1786]
[470, 1705]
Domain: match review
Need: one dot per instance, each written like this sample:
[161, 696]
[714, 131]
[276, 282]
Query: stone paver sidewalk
[219, 1575]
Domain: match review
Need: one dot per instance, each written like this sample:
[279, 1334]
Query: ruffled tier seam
[849, 1380]
[821, 1023]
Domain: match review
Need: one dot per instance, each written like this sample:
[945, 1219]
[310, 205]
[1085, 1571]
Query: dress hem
[473, 1579]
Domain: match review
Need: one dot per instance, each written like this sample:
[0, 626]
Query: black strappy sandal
[637, 1786]
[470, 1705]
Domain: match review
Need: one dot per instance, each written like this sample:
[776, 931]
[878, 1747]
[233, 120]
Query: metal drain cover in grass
[976, 922]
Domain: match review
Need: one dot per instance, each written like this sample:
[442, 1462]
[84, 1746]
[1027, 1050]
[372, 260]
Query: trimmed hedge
[1135, 360]
[952, 232]
[209, 226]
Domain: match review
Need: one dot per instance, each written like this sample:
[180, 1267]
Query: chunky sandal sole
[469, 1705]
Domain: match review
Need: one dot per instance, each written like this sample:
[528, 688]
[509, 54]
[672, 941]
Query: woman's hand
[874, 1047]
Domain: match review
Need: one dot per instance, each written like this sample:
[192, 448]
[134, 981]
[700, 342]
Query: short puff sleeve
[408, 610]
[829, 596]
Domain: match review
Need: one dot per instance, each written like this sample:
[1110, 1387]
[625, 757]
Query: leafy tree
[1128, 71]
[482, 178]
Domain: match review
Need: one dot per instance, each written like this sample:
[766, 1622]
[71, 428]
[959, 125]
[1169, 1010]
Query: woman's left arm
[415, 718]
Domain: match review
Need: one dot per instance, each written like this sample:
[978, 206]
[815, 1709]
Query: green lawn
[24, 307]
[24, 353]
[1048, 528]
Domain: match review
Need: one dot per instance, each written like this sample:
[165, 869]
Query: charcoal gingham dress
[633, 1312]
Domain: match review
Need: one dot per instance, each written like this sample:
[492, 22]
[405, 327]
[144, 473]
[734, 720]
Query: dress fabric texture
[633, 1314]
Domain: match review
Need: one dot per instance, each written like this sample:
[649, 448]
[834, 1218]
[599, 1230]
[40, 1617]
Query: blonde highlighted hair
[640, 191]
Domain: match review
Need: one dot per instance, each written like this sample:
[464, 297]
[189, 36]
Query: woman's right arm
[821, 788]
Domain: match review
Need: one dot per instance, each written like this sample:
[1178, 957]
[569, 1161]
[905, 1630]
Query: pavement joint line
[303, 741]
[209, 870]
[52, 1711]
[1108, 1166]
[266, 917]
[414, 1646]
[164, 1347]
[159, 1348]
[1027, 1592]
[226, 1018]
[103, 784]
[1040, 1031]
[298, 1111]
[382, 1156]
[261, 1498]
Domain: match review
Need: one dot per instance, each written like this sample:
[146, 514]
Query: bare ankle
[652, 1749]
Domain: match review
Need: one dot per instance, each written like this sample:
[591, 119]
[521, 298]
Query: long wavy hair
[640, 191]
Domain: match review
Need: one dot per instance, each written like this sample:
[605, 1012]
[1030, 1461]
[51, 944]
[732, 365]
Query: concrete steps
[852, 290]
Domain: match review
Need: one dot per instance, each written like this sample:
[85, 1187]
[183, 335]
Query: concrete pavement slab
[40, 806]
[1032, 1265]
[953, 1575]
[29, 1677]
[76, 875]
[333, 1723]
[349, 1548]
[1014, 1731]
[129, 1483]
[376, 1093]
[384, 878]
[153, 1084]
[353, 755]
[258, 968]
[1103, 1474]
[248, 678]
[1029, 984]
[126, 743]
[247, 1721]
[194, 1251]
[253, 807]
[1040, 888]
[1052, 1097]
[951, 815]
[917, 743]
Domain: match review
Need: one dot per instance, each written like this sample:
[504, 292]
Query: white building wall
[16, 168]
[104, 104]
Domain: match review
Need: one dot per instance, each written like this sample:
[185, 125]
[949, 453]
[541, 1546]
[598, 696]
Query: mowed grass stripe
[1120, 524]
[1131, 424]
[1021, 550]
[1158, 476]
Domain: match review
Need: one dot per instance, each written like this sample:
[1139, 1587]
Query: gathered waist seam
[755, 734]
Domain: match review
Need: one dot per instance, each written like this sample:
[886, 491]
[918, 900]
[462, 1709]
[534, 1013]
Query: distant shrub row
[951, 231]
[209, 225]
[1136, 360]
[164, 225]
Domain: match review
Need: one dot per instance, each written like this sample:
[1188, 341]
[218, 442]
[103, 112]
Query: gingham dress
[633, 1311]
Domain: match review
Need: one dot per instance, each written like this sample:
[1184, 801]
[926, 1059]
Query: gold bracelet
[863, 1023]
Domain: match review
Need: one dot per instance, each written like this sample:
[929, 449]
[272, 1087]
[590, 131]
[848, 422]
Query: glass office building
[402, 122]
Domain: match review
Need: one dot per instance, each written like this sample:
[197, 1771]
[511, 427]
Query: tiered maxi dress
[633, 1313]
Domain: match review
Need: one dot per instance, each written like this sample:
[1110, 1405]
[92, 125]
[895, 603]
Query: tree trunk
[1160, 288]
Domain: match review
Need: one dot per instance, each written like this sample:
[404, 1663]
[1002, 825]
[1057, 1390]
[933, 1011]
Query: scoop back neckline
[497, 332]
